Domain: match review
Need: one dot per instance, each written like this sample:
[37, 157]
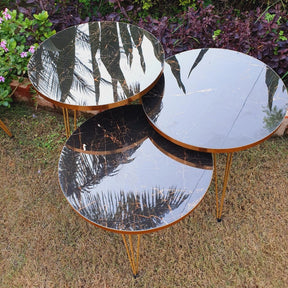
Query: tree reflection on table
[96, 63]
[108, 177]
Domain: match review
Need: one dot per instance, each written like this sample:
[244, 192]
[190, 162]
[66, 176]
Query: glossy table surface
[96, 65]
[216, 100]
[119, 174]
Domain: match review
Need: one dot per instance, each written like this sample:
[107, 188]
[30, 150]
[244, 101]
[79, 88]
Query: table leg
[75, 119]
[5, 128]
[130, 252]
[226, 176]
[66, 121]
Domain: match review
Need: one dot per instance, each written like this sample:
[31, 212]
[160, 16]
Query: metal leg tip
[219, 219]
[135, 275]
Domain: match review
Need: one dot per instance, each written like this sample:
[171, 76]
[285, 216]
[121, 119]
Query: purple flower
[1, 20]
[23, 54]
[7, 16]
[3, 45]
[32, 49]
[2, 79]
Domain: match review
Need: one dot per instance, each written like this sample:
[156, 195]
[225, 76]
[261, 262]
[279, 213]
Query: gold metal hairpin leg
[5, 128]
[66, 121]
[226, 176]
[134, 261]
[75, 119]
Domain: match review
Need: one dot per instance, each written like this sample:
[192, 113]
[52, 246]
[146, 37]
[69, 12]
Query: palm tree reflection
[132, 211]
[271, 80]
[198, 59]
[94, 33]
[110, 56]
[100, 145]
[86, 175]
[274, 115]
[152, 100]
[175, 69]
[137, 36]
[84, 171]
[87, 60]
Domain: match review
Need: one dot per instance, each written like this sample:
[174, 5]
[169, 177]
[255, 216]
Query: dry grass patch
[43, 243]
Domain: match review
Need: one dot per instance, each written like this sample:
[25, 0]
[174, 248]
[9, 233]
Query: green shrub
[20, 37]
[88, 8]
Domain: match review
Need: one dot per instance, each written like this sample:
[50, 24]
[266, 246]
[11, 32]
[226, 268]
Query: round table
[120, 175]
[95, 66]
[218, 101]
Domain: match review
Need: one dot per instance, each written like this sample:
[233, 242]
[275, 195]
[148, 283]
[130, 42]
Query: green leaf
[5, 104]
[5, 93]
[11, 44]
[43, 16]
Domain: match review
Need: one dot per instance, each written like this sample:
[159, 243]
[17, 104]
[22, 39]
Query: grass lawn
[43, 242]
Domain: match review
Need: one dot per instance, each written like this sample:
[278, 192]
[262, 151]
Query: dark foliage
[248, 31]
[243, 5]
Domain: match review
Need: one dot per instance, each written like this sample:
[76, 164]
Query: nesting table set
[138, 168]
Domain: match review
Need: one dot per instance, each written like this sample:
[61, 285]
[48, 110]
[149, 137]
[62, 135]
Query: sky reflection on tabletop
[96, 64]
[126, 177]
[216, 100]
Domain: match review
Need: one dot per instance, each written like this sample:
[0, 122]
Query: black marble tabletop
[96, 65]
[119, 174]
[216, 100]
